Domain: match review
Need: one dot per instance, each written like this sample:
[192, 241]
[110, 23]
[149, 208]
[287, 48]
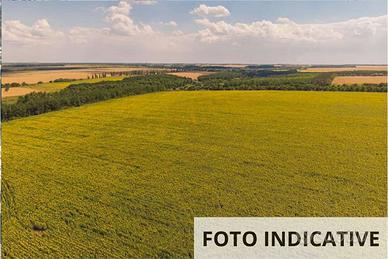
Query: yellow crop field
[192, 75]
[125, 177]
[339, 80]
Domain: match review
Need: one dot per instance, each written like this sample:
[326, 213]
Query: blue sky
[63, 16]
[66, 14]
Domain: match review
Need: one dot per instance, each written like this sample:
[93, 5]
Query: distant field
[226, 65]
[339, 80]
[50, 87]
[338, 69]
[16, 91]
[124, 178]
[11, 99]
[32, 77]
[192, 75]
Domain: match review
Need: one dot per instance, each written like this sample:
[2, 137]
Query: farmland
[344, 68]
[191, 75]
[16, 91]
[338, 80]
[228, 65]
[125, 177]
[55, 86]
[34, 76]
[13, 92]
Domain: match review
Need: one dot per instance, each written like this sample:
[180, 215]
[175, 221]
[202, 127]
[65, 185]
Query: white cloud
[120, 22]
[170, 24]
[285, 29]
[177, 33]
[145, 2]
[216, 11]
[40, 32]
[124, 39]
[82, 35]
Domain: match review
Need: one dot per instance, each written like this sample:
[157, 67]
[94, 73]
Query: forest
[289, 81]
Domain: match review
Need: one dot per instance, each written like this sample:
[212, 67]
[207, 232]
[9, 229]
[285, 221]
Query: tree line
[244, 73]
[361, 73]
[78, 94]
[293, 81]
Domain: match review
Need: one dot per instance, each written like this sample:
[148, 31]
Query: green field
[10, 99]
[56, 86]
[126, 177]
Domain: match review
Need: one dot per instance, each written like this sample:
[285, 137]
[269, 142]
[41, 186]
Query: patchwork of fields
[9, 96]
[56, 86]
[127, 176]
[33, 77]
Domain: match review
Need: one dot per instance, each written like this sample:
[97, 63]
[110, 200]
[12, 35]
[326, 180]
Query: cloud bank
[123, 39]
[285, 29]
[14, 31]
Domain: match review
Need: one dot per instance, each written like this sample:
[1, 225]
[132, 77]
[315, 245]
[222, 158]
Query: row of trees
[292, 81]
[125, 73]
[362, 73]
[9, 85]
[92, 76]
[244, 73]
[79, 94]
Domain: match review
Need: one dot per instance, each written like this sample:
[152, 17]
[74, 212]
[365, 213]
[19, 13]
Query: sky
[160, 31]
